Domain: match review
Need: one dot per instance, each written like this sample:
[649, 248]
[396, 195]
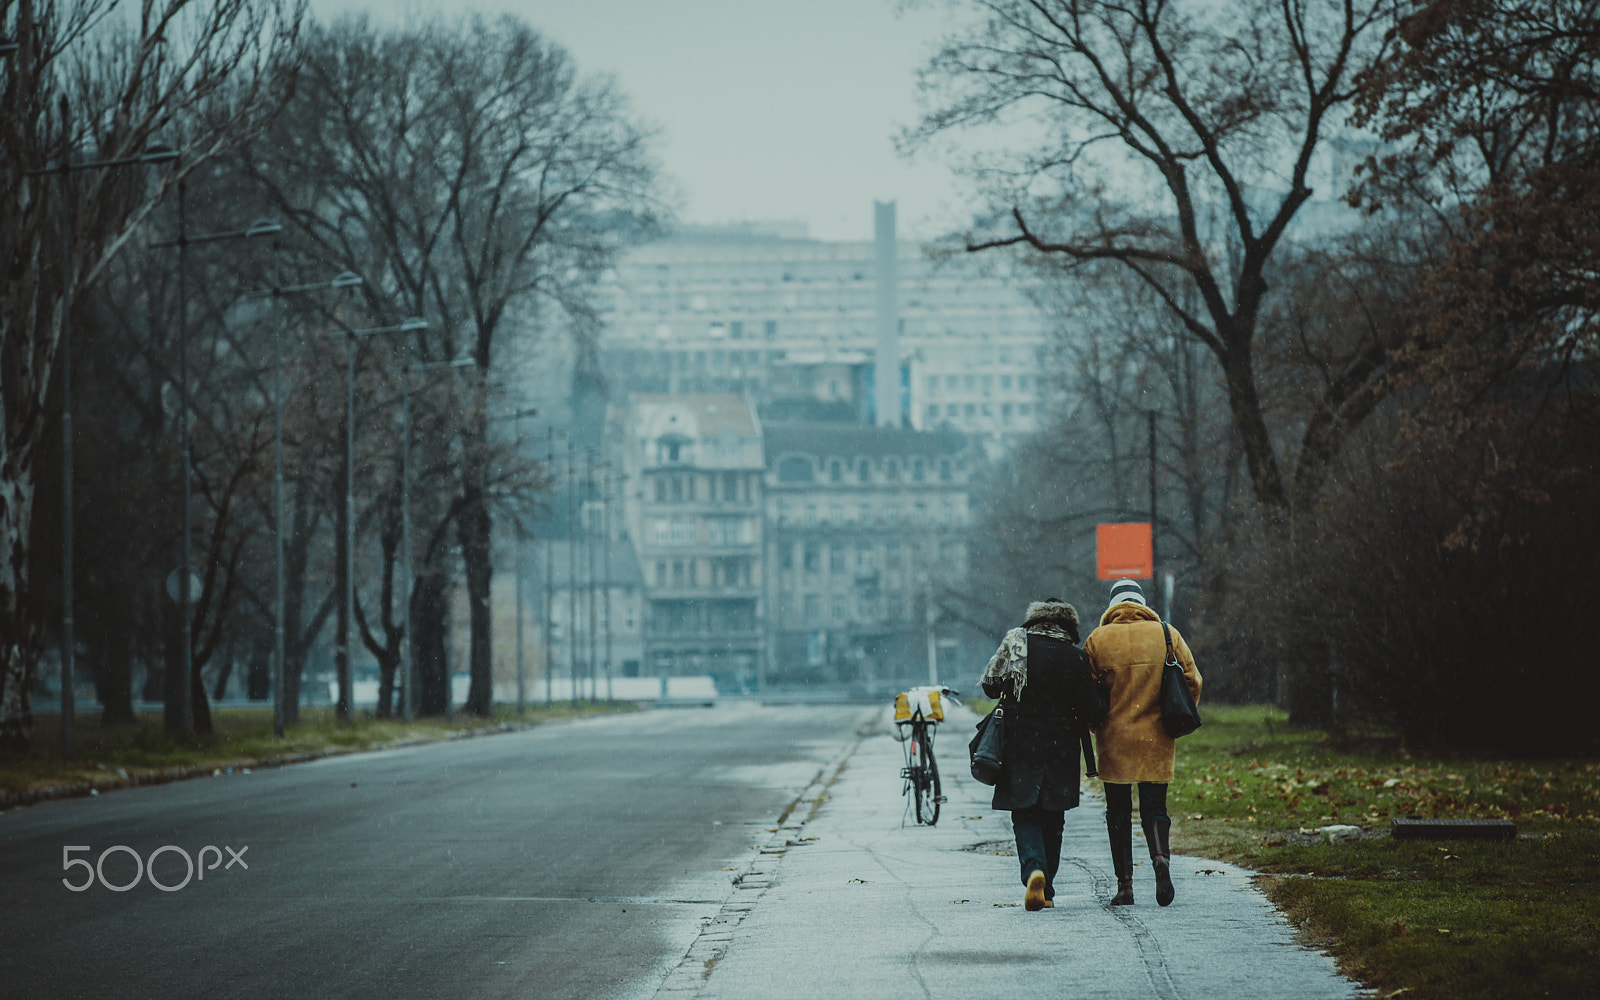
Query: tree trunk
[116, 672]
[342, 662]
[429, 622]
[386, 670]
[19, 646]
[219, 691]
[474, 533]
[199, 705]
[1245, 405]
[16, 701]
[258, 676]
[172, 672]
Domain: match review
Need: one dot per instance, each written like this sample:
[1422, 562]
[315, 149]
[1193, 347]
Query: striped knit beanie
[1126, 590]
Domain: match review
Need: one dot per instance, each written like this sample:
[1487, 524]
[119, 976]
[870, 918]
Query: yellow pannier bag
[925, 698]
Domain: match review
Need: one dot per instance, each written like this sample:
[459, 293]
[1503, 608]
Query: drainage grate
[1417, 828]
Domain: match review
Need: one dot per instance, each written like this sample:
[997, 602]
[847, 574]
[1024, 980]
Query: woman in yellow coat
[1126, 654]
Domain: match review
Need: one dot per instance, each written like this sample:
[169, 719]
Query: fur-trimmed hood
[1052, 613]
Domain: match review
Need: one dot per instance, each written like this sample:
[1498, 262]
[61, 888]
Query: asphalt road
[573, 860]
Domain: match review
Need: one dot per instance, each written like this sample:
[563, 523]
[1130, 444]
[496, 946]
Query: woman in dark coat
[1050, 700]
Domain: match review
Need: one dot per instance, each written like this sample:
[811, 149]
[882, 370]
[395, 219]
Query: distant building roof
[700, 415]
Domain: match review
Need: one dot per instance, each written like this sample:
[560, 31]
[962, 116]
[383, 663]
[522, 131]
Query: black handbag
[988, 747]
[1179, 715]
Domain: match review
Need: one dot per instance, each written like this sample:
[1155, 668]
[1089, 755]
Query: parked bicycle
[918, 713]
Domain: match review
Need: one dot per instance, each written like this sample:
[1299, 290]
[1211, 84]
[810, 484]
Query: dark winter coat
[1043, 727]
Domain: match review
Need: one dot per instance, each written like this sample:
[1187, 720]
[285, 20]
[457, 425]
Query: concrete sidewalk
[850, 898]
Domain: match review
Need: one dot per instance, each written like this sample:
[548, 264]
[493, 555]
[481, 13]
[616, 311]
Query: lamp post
[346, 279]
[520, 557]
[65, 167]
[348, 541]
[261, 227]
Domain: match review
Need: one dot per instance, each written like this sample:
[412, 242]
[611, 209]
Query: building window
[951, 409]
[933, 411]
[810, 520]
[1022, 382]
[944, 470]
[813, 608]
[1023, 409]
[813, 557]
[840, 612]
[661, 573]
[786, 556]
[892, 515]
[795, 469]
[950, 383]
[933, 385]
[677, 572]
[918, 473]
[1005, 381]
[866, 513]
[836, 558]
[661, 490]
[891, 469]
[835, 471]
[836, 513]
[730, 486]
[863, 471]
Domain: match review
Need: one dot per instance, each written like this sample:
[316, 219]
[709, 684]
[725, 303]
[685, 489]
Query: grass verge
[1458, 919]
[143, 752]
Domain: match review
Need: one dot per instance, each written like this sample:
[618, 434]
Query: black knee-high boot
[1120, 831]
[1156, 830]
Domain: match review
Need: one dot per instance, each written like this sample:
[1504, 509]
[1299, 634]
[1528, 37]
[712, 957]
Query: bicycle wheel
[927, 784]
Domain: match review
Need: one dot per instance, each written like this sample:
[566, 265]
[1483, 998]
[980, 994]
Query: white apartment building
[778, 318]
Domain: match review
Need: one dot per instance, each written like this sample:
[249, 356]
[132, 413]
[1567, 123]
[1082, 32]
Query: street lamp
[348, 552]
[521, 549]
[261, 227]
[346, 279]
[65, 167]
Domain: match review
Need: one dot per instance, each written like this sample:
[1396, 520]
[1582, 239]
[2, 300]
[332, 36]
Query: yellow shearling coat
[1126, 653]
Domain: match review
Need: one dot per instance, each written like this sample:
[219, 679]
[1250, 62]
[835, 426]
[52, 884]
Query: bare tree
[1174, 141]
[94, 81]
[467, 172]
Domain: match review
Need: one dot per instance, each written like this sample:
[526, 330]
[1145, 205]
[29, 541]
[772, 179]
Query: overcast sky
[768, 109]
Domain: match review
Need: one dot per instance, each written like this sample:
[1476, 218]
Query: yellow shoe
[1034, 899]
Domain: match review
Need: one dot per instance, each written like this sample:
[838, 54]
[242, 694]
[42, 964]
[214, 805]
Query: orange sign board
[1124, 550]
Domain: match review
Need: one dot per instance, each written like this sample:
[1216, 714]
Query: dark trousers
[1038, 834]
[1152, 812]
